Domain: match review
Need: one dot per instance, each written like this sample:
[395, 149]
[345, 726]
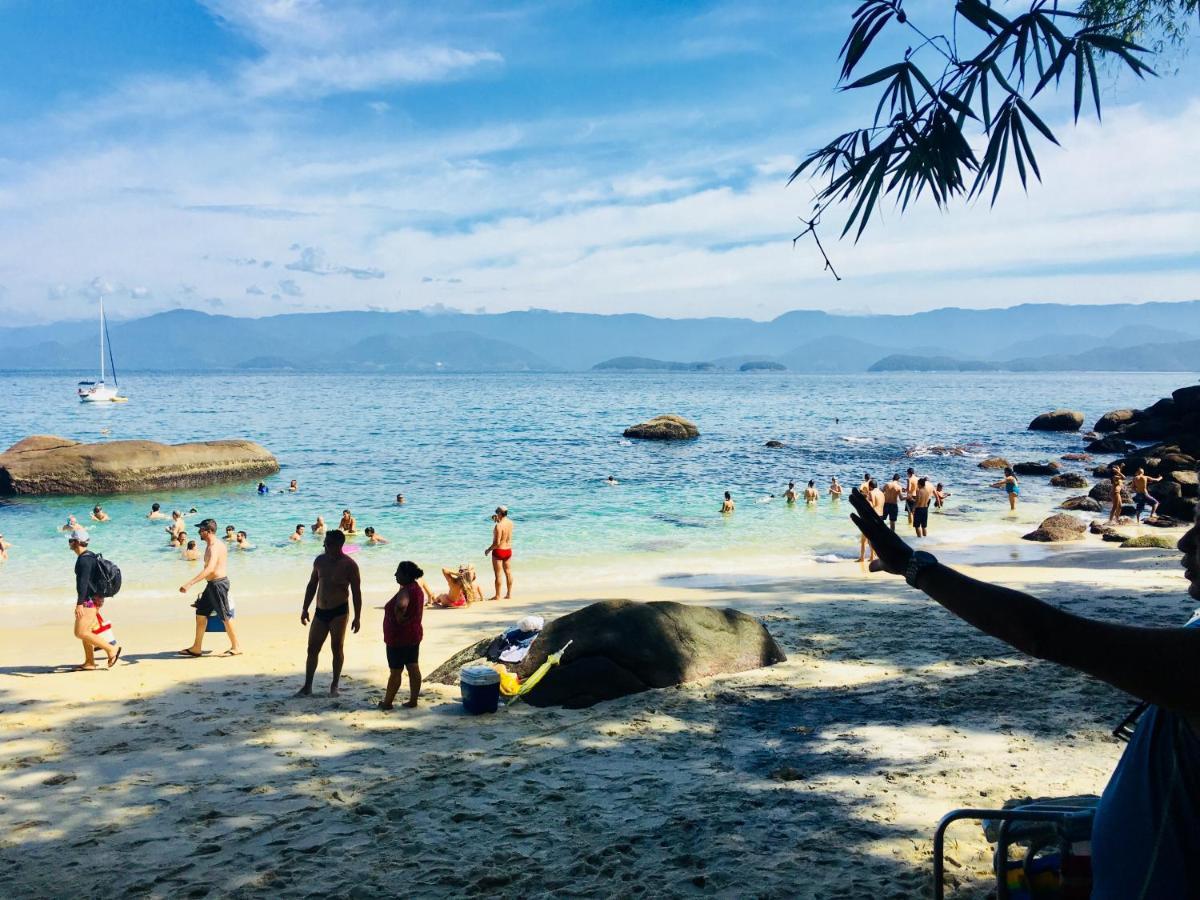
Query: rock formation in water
[44, 464]
[1058, 420]
[620, 647]
[664, 428]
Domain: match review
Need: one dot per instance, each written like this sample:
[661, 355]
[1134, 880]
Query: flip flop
[187, 651]
[232, 653]
[112, 662]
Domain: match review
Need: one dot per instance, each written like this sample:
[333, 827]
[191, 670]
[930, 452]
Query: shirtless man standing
[334, 577]
[501, 551]
[921, 501]
[835, 489]
[891, 500]
[1141, 494]
[215, 597]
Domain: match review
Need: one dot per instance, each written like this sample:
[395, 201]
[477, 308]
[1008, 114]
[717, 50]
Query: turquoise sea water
[458, 445]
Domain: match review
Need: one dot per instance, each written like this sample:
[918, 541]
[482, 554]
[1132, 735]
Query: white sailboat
[98, 391]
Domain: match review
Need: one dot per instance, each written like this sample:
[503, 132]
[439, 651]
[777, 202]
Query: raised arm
[1153, 664]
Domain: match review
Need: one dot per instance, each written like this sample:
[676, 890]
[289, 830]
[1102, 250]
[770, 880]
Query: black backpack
[106, 580]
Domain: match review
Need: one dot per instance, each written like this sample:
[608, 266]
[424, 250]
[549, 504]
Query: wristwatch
[918, 563]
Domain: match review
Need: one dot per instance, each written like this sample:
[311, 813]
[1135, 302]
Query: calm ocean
[458, 445]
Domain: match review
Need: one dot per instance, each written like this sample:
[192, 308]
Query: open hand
[893, 553]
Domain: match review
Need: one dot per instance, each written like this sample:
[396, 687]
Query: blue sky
[291, 155]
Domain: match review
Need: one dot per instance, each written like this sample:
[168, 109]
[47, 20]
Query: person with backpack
[92, 581]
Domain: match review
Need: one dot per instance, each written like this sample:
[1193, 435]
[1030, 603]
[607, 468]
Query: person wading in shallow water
[334, 580]
[501, 551]
[1146, 834]
[215, 597]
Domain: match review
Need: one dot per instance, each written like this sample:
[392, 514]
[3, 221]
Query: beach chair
[1056, 834]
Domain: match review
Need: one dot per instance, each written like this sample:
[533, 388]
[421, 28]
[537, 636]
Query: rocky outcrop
[1115, 420]
[1058, 420]
[1081, 504]
[619, 647]
[774, 445]
[994, 462]
[1058, 528]
[44, 464]
[1103, 491]
[1069, 480]
[1111, 443]
[1076, 457]
[1174, 424]
[664, 428]
[1036, 468]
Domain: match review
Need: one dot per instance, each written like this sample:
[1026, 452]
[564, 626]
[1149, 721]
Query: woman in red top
[402, 633]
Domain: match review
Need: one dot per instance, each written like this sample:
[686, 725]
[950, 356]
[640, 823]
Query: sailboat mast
[102, 340]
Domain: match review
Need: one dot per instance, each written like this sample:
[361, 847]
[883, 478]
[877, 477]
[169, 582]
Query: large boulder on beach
[1036, 468]
[1187, 399]
[1115, 420]
[1081, 504]
[1102, 491]
[1058, 528]
[619, 647]
[44, 464]
[1058, 420]
[994, 462]
[664, 428]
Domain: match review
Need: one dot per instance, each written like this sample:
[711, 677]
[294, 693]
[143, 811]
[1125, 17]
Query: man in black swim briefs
[334, 581]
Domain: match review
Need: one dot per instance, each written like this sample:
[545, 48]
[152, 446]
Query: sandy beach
[822, 776]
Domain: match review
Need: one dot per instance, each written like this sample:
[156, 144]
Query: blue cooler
[480, 686]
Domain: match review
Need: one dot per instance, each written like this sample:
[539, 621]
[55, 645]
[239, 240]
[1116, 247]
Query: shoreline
[887, 713]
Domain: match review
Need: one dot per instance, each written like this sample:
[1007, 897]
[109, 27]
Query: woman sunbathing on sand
[463, 589]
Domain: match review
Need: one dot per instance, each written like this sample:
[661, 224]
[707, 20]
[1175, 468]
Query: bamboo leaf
[1091, 62]
[1037, 123]
[875, 77]
[1078, 79]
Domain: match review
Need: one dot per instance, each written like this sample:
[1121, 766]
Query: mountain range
[1026, 337]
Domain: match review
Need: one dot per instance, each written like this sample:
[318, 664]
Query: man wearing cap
[87, 601]
[501, 551]
[215, 598]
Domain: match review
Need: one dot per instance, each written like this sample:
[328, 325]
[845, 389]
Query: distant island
[762, 366]
[644, 364]
[1175, 356]
[898, 362]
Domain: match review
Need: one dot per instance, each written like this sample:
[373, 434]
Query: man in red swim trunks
[501, 551]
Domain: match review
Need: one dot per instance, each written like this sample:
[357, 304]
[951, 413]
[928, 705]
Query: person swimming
[318, 527]
[611, 482]
[99, 515]
[347, 525]
[810, 493]
[243, 541]
[263, 489]
[293, 487]
[374, 537]
[230, 534]
[297, 535]
[835, 489]
[790, 494]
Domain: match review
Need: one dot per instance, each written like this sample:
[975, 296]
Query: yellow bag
[510, 685]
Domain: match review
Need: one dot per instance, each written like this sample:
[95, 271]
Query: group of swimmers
[917, 494]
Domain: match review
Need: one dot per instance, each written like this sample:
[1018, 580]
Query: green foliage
[982, 79]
